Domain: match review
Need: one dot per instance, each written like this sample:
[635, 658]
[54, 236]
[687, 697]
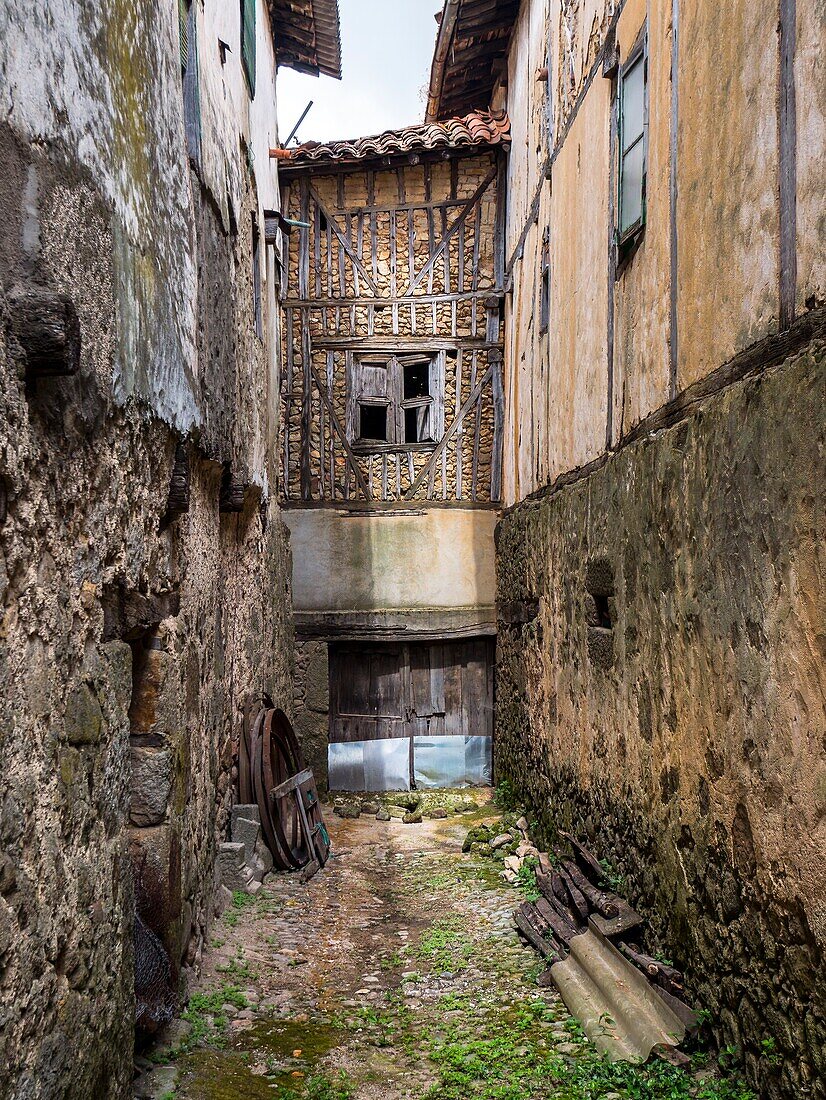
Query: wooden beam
[473, 396]
[333, 224]
[351, 458]
[454, 226]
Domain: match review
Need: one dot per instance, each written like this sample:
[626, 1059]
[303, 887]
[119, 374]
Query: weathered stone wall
[130, 639]
[687, 739]
[312, 705]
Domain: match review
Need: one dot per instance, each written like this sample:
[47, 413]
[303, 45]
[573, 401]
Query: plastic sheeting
[452, 761]
[379, 765]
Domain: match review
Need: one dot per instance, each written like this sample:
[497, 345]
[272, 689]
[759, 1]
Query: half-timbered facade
[392, 407]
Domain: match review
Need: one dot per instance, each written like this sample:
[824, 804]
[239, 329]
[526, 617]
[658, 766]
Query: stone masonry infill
[399, 956]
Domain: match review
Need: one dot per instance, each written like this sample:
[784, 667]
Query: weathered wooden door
[410, 715]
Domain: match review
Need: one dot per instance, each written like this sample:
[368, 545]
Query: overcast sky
[386, 47]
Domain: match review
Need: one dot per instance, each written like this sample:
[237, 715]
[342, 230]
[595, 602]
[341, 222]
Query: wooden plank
[460, 433]
[498, 432]
[290, 784]
[449, 434]
[334, 226]
[673, 342]
[331, 366]
[393, 257]
[449, 233]
[351, 458]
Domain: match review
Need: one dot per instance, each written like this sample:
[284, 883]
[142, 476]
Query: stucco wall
[713, 153]
[687, 743]
[442, 558]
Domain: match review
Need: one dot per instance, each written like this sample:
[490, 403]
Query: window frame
[393, 399]
[628, 237]
[545, 285]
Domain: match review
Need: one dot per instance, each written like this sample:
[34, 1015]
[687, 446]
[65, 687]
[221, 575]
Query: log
[578, 901]
[589, 864]
[661, 973]
[47, 329]
[598, 899]
[554, 891]
[559, 923]
[626, 919]
[531, 933]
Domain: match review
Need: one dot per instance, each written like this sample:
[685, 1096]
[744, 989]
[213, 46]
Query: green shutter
[248, 42]
[183, 21]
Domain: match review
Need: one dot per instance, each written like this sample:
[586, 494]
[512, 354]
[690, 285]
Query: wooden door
[410, 715]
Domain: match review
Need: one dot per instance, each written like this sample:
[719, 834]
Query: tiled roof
[306, 35]
[481, 128]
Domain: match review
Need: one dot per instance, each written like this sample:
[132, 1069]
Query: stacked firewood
[573, 898]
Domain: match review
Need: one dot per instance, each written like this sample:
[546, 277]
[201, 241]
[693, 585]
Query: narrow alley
[395, 974]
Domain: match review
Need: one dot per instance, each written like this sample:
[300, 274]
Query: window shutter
[437, 392]
[183, 29]
[248, 42]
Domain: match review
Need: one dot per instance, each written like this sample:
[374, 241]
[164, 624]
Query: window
[633, 124]
[395, 402]
[190, 79]
[545, 286]
[248, 43]
[256, 279]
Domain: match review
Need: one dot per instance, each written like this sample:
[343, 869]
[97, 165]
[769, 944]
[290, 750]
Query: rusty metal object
[271, 774]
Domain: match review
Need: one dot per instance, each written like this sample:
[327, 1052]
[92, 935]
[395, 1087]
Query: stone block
[317, 682]
[246, 832]
[151, 785]
[83, 720]
[263, 856]
[246, 810]
[235, 874]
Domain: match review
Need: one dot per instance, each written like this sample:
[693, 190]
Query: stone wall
[667, 699]
[312, 703]
[131, 636]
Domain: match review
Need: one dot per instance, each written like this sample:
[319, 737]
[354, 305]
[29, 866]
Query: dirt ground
[394, 974]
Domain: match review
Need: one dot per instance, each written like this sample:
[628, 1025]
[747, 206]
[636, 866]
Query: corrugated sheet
[621, 1013]
[307, 35]
[481, 128]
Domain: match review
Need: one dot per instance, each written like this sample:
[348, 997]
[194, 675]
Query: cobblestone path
[394, 974]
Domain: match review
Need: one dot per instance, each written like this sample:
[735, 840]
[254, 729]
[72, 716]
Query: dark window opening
[417, 380]
[603, 612]
[545, 285]
[322, 221]
[373, 422]
[417, 425]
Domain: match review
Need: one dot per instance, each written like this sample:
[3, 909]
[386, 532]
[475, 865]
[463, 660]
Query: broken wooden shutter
[395, 388]
[248, 42]
[437, 392]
